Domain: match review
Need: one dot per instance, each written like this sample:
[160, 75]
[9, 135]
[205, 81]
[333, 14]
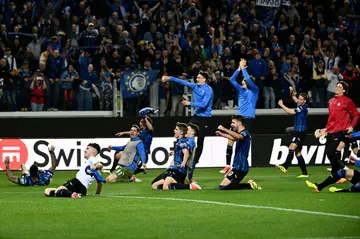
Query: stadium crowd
[66, 55]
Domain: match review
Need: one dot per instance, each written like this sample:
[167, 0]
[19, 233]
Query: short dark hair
[195, 127]
[182, 127]
[239, 118]
[34, 170]
[344, 85]
[136, 126]
[304, 95]
[204, 74]
[96, 147]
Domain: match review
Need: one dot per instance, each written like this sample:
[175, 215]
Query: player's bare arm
[286, 109]
[123, 133]
[292, 94]
[233, 134]
[9, 174]
[53, 158]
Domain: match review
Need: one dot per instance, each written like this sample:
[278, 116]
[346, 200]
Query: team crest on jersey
[338, 104]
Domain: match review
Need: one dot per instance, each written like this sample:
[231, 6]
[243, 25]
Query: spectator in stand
[37, 88]
[194, 30]
[67, 79]
[85, 95]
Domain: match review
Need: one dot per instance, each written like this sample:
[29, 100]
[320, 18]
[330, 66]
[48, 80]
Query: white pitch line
[345, 237]
[238, 205]
[219, 203]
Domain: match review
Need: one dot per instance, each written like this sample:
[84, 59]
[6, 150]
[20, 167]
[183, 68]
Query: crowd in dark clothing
[66, 55]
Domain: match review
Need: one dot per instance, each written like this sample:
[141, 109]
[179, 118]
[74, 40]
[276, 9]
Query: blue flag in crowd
[135, 83]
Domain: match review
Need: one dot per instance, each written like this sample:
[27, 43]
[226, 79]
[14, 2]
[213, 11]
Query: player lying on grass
[240, 166]
[78, 186]
[174, 177]
[132, 155]
[34, 177]
[350, 138]
[351, 175]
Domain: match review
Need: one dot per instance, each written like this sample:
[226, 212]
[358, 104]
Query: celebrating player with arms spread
[34, 177]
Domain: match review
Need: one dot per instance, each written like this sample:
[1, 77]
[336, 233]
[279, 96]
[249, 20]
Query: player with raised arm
[35, 177]
[133, 153]
[203, 96]
[78, 186]
[145, 135]
[175, 175]
[300, 126]
[240, 166]
[248, 94]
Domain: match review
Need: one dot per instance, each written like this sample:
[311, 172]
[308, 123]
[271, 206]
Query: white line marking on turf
[349, 237]
[238, 205]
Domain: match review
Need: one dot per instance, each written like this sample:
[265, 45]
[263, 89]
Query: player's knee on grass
[50, 192]
[167, 182]
[60, 188]
[224, 184]
[111, 178]
[157, 183]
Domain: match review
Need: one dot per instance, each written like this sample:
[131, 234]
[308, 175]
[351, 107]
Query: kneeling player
[78, 186]
[174, 177]
[240, 166]
[35, 177]
[133, 153]
[351, 175]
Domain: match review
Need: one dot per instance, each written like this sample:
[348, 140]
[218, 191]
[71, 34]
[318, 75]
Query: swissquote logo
[16, 150]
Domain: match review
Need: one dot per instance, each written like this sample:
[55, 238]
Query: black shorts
[298, 139]
[235, 176]
[176, 175]
[356, 178]
[75, 186]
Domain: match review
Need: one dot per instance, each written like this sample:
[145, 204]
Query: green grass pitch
[285, 208]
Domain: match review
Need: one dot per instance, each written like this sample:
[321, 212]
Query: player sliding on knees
[132, 155]
[248, 94]
[34, 177]
[145, 135]
[78, 186]
[240, 166]
[174, 177]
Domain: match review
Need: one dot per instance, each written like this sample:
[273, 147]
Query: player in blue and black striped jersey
[35, 177]
[299, 132]
[240, 166]
[176, 173]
